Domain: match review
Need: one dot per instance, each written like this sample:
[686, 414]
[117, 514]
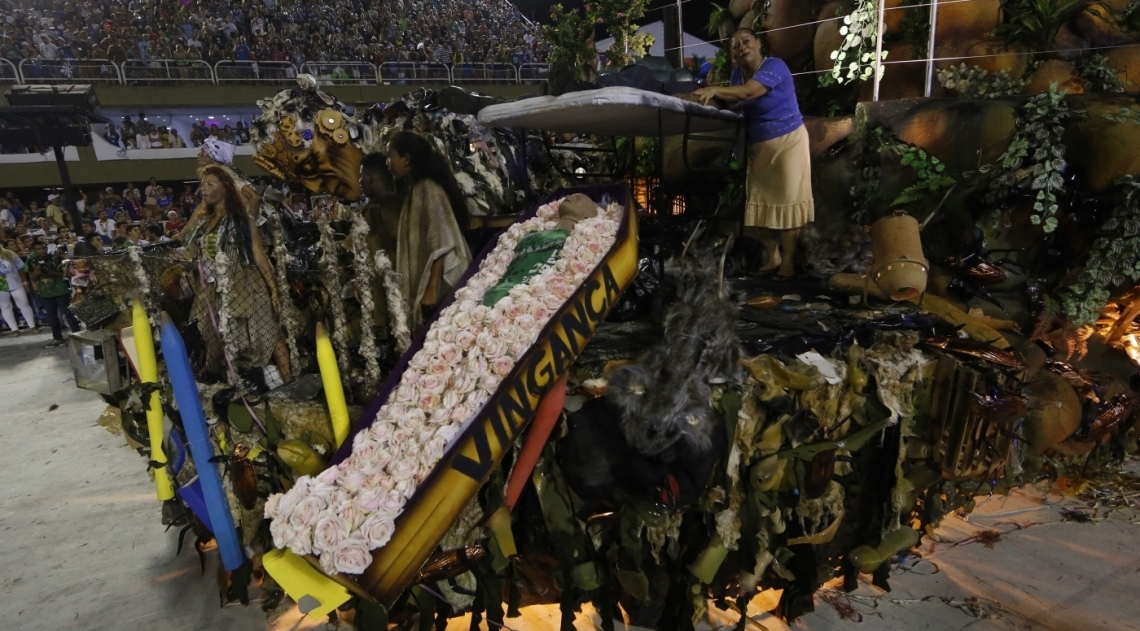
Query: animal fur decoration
[665, 396]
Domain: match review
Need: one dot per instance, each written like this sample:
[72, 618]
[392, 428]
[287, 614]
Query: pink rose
[465, 340]
[579, 268]
[323, 492]
[368, 500]
[450, 353]
[516, 310]
[594, 246]
[428, 401]
[393, 502]
[330, 531]
[502, 365]
[431, 383]
[561, 289]
[352, 558]
[378, 529]
[439, 367]
[403, 470]
[364, 447]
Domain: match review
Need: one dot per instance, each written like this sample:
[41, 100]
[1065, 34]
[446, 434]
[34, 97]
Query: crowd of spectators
[32, 230]
[297, 31]
[145, 135]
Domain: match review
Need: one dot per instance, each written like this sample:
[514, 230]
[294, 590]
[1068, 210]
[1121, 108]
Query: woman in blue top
[779, 173]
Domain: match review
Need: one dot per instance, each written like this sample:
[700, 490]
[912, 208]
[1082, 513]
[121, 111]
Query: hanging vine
[1036, 157]
[1114, 259]
[855, 58]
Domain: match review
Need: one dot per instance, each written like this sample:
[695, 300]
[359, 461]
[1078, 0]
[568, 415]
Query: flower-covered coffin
[458, 399]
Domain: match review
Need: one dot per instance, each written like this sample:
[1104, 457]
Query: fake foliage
[1034, 23]
[620, 18]
[855, 57]
[721, 69]
[569, 33]
[719, 15]
[1098, 75]
[916, 27]
[1035, 157]
[931, 174]
[974, 82]
[1114, 259]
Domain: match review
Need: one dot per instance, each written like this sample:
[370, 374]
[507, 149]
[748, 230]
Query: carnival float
[635, 422]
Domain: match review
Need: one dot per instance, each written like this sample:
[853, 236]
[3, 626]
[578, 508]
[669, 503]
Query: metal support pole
[681, 34]
[68, 192]
[878, 61]
[930, 47]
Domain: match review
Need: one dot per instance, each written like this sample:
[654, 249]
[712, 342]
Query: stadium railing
[140, 72]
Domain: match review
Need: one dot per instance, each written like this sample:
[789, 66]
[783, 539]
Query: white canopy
[694, 46]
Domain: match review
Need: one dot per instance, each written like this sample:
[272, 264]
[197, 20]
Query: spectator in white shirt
[103, 226]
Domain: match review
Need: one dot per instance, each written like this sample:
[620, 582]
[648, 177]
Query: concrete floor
[83, 548]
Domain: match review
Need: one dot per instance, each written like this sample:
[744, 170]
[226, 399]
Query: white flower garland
[224, 287]
[349, 510]
[289, 318]
[336, 305]
[397, 304]
[363, 269]
[135, 253]
[856, 55]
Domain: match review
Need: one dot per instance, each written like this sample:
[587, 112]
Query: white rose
[465, 340]
[490, 383]
[353, 480]
[413, 419]
[450, 399]
[480, 314]
[428, 401]
[271, 505]
[461, 383]
[432, 383]
[447, 335]
[450, 353]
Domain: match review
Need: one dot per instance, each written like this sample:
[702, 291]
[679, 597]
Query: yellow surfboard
[148, 373]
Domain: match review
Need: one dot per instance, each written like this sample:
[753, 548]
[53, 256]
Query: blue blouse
[777, 112]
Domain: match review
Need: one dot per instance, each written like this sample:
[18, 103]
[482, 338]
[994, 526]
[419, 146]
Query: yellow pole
[334, 391]
[148, 373]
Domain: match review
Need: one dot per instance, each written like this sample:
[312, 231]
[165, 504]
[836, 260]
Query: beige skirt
[779, 182]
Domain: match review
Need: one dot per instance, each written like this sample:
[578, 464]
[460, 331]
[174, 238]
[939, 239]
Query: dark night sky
[694, 12]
